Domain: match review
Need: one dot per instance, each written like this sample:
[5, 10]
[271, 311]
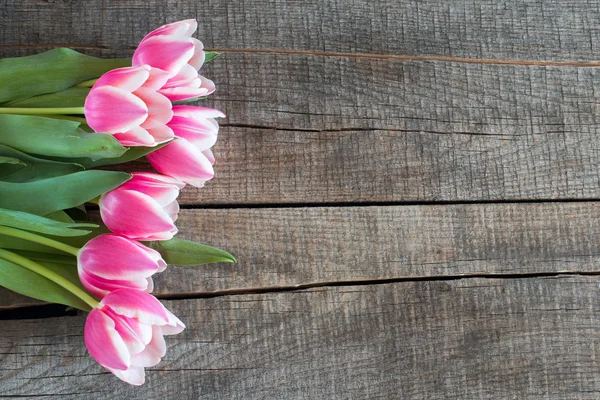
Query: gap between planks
[375, 56]
[48, 310]
[217, 206]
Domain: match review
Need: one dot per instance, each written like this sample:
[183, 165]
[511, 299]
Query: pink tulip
[188, 158]
[143, 208]
[109, 262]
[125, 103]
[125, 333]
[173, 49]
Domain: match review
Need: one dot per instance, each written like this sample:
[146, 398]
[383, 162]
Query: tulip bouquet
[62, 116]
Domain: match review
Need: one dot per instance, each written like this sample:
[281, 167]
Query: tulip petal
[184, 28]
[186, 75]
[135, 335]
[199, 56]
[197, 113]
[209, 155]
[162, 193]
[103, 341]
[134, 375]
[114, 257]
[128, 78]
[112, 110]
[159, 108]
[136, 136]
[139, 305]
[153, 352]
[135, 215]
[151, 177]
[182, 160]
[167, 52]
[156, 80]
[162, 134]
[202, 140]
[186, 92]
[172, 209]
[101, 287]
[174, 325]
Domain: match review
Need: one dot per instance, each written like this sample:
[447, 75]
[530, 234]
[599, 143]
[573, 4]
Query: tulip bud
[188, 158]
[125, 333]
[171, 48]
[110, 262]
[143, 208]
[124, 102]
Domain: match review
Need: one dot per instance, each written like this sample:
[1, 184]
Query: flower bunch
[63, 114]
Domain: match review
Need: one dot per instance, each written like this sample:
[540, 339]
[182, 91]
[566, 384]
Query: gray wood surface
[472, 338]
[410, 188]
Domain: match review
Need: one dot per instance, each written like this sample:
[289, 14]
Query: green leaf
[184, 252]
[35, 223]
[71, 97]
[31, 168]
[59, 193]
[132, 154]
[31, 284]
[49, 72]
[12, 161]
[210, 55]
[60, 216]
[56, 137]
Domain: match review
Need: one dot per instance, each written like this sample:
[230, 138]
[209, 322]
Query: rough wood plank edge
[295, 246]
[310, 246]
[544, 30]
[480, 338]
[301, 129]
[298, 246]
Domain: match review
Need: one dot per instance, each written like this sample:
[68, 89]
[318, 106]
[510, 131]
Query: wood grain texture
[473, 338]
[337, 128]
[285, 247]
[533, 30]
[299, 246]
[312, 129]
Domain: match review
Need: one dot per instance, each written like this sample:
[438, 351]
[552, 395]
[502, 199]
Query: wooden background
[411, 189]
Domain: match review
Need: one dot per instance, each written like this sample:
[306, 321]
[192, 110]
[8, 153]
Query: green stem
[88, 83]
[42, 111]
[32, 237]
[46, 273]
[69, 118]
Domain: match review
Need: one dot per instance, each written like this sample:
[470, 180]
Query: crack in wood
[217, 206]
[56, 310]
[383, 281]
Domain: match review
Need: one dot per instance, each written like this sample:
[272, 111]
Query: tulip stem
[32, 237]
[42, 111]
[86, 84]
[46, 273]
[82, 121]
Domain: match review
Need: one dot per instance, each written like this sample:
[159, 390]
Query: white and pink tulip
[189, 158]
[109, 262]
[143, 208]
[125, 103]
[124, 333]
[172, 48]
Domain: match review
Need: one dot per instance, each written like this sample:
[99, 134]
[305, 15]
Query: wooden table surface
[411, 189]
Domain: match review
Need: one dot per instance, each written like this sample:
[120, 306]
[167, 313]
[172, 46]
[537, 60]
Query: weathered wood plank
[355, 130]
[286, 247]
[541, 30]
[473, 338]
